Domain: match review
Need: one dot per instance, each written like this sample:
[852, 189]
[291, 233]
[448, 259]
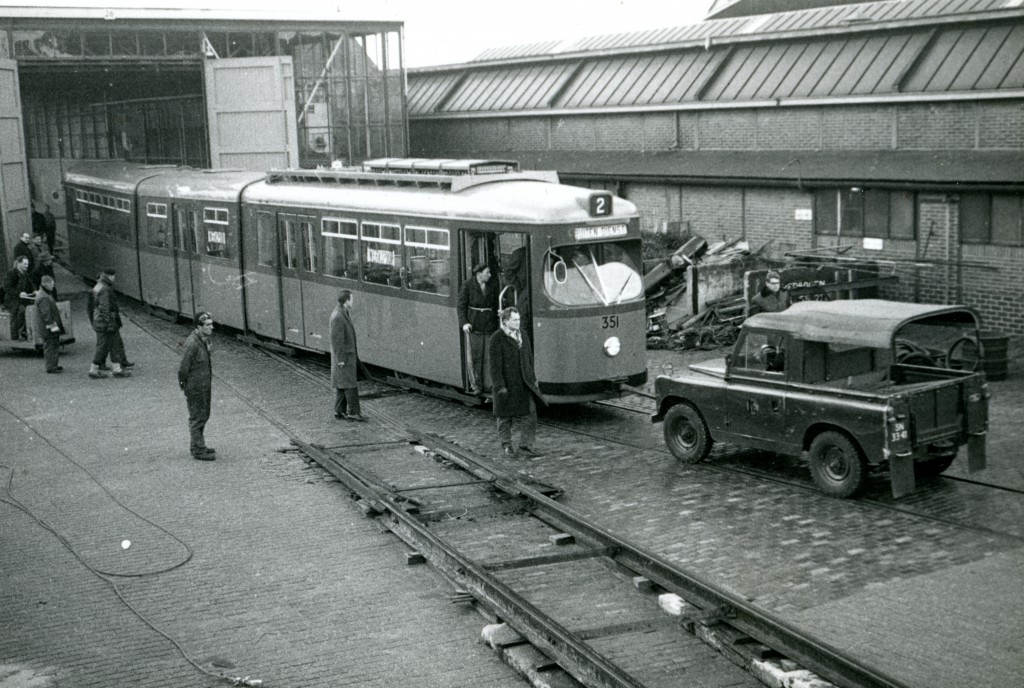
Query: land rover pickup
[856, 384]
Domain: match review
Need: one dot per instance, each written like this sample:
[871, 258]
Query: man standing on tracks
[344, 360]
[106, 321]
[53, 327]
[478, 317]
[195, 378]
[515, 384]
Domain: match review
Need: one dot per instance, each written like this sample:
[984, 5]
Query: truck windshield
[593, 274]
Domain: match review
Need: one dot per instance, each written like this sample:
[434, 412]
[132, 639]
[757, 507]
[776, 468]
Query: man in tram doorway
[106, 321]
[515, 384]
[345, 361]
[195, 378]
[478, 317]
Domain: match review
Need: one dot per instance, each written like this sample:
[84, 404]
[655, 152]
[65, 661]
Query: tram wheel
[836, 464]
[686, 434]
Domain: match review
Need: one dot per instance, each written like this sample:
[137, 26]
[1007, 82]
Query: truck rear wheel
[836, 464]
[686, 434]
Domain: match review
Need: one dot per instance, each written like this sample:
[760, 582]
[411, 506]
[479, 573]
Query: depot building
[885, 132]
[188, 87]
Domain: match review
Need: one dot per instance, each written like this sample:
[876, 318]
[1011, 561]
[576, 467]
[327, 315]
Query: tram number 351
[609, 321]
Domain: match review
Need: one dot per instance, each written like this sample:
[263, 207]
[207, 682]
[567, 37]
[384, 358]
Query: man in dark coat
[52, 326]
[51, 227]
[195, 378]
[345, 361]
[45, 268]
[478, 317]
[18, 292]
[106, 321]
[515, 384]
[24, 248]
[771, 298]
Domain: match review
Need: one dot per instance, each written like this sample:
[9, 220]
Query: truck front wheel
[836, 464]
[686, 434]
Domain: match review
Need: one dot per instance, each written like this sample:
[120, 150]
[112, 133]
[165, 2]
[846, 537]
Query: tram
[267, 253]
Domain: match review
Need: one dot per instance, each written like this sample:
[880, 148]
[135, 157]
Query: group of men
[31, 264]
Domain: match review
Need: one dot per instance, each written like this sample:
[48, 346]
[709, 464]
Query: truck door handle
[776, 405]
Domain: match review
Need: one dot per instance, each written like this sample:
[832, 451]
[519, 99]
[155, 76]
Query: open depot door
[250, 104]
[15, 211]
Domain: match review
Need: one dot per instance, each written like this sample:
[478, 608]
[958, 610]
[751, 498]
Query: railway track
[747, 633]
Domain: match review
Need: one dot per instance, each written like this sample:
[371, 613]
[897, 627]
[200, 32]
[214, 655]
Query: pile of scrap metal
[671, 320]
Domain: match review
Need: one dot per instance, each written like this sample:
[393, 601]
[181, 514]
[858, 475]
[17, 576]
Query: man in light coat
[195, 378]
[344, 361]
[515, 384]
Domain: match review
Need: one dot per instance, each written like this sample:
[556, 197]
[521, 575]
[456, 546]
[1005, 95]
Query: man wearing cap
[195, 378]
[771, 298]
[45, 268]
[478, 317]
[106, 321]
[53, 328]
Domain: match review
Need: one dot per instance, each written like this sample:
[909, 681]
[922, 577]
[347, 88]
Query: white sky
[451, 31]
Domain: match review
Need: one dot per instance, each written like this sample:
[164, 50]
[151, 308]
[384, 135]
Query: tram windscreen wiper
[599, 291]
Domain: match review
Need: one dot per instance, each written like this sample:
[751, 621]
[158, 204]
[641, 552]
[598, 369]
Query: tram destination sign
[605, 232]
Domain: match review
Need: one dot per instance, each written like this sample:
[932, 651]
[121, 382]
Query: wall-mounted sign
[804, 214]
[873, 244]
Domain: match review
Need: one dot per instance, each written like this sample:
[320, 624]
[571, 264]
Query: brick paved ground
[279, 576]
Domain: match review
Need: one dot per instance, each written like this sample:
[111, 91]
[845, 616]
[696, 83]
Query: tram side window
[427, 258]
[266, 246]
[382, 247]
[218, 231]
[156, 225]
[291, 245]
[341, 247]
[310, 248]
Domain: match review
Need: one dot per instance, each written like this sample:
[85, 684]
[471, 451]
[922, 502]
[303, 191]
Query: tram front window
[593, 274]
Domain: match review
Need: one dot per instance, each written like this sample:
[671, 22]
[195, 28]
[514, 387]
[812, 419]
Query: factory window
[857, 212]
[992, 219]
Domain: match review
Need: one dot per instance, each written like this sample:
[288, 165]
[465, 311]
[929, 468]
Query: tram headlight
[612, 346]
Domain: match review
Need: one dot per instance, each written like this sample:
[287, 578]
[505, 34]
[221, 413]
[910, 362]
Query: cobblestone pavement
[255, 564]
[288, 582]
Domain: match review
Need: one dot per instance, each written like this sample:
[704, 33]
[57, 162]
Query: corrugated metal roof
[964, 56]
[862, 15]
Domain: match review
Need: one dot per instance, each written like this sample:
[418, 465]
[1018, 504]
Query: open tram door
[506, 254]
[185, 227]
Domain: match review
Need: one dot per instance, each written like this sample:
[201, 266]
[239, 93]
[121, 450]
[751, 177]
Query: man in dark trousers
[18, 292]
[51, 227]
[195, 378]
[53, 327]
[478, 317]
[515, 385]
[106, 321]
[344, 361]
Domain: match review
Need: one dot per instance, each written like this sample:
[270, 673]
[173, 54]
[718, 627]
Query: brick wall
[987, 281]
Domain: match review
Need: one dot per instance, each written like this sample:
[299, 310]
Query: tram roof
[221, 185]
[114, 175]
[859, 322]
[498, 200]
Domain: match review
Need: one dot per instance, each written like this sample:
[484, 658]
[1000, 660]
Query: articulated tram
[267, 253]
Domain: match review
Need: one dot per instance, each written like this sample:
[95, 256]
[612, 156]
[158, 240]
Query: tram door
[506, 255]
[298, 256]
[186, 243]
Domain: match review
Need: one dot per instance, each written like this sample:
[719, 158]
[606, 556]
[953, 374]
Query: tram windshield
[593, 274]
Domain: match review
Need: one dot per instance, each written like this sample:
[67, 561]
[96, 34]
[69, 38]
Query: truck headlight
[612, 346]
